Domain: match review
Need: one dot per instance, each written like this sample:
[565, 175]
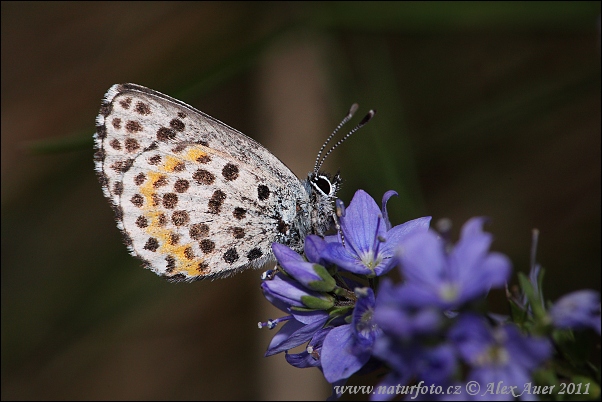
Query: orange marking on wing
[195, 153]
[170, 163]
[183, 264]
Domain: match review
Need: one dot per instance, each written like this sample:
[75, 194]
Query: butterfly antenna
[350, 114]
[365, 120]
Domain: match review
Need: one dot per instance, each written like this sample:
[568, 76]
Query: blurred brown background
[483, 109]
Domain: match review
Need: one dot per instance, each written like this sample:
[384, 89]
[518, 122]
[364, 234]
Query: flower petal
[360, 225]
[366, 330]
[285, 254]
[402, 312]
[282, 335]
[398, 355]
[308, 317]
[340, 359]
[466, 258]
[276, 301]
[437, 365]
[526, 351]
[399, 233]
[302, 271]
[386, 197]
[301, 360]
[405, 229]
[287, 291]
[423, 260]
[314, 247]
[577, 310]
[471, 336]
[337, 254]
[306, 359]
[293, 334]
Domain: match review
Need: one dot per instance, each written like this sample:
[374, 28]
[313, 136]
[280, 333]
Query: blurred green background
[483, 109]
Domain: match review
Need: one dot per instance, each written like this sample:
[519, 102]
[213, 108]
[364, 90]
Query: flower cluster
[331, 312]
[431, 328]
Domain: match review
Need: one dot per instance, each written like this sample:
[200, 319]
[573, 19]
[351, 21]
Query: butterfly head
[322, 187]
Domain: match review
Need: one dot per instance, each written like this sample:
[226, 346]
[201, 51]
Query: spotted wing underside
[193, 197]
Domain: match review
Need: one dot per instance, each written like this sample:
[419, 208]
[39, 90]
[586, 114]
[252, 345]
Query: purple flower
[398, 315]
[429, 365]
[314, 249]
[499, 355]
[348, 347]
[303, 291]
[424, 330]
[300, 324]
[310, 275]
[407, 327]
[294, 332]
[369, 241]
[293, 294]
[310, 357]
[577, 310]
[448, 279]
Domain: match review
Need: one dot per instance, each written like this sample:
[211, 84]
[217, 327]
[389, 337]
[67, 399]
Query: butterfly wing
[193, 197]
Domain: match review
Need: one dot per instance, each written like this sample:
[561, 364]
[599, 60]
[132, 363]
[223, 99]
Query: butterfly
[195, 198]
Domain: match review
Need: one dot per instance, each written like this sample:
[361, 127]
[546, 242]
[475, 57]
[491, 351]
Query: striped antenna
[350, 114]
[365, 120]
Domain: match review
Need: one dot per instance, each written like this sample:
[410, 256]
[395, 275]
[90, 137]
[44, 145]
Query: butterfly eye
[323, 184]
